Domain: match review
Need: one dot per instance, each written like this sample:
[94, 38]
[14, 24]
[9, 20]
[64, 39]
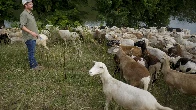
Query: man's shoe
[38, 68]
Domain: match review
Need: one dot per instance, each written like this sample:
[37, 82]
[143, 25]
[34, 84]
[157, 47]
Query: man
[30, 32]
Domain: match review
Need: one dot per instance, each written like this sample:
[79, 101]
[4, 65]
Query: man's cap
[25, 1]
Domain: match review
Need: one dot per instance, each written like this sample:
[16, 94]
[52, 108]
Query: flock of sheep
[140, 55]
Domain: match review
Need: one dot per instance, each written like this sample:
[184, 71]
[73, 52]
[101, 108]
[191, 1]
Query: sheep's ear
[94, 61]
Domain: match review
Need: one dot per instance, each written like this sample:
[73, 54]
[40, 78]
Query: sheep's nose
[90, 72]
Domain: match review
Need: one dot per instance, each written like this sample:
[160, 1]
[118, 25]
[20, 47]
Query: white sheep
[126, 42]
[127, 96]
[42, 38]
[67, 35]
[184, 64]
[156, 52]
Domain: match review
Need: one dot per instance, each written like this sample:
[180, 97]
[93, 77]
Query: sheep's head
[98, 68]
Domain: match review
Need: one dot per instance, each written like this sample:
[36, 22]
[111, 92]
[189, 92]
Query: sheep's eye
[101, 67]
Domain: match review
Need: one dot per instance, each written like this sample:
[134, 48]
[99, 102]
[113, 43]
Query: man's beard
[31, 8]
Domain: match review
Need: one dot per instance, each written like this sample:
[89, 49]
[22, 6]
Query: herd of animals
[140, 55]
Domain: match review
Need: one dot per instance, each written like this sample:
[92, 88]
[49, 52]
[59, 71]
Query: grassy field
[24, 89]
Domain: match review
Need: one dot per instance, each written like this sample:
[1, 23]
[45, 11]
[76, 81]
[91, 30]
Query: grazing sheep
[132, 50]
[175, 51]
[99, 36]
[184, 65]
[127, 96]
[67, 35]
[181, 81]
[139, 60]
[126, 42]
[153, 63]
[134, 73]
[113, 42]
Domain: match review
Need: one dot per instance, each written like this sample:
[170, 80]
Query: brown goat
[183, 82]
[129, 50]
[132, 50]
[153, 63]
[175, 51]
[134, 73]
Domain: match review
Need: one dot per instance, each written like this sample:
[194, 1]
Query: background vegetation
[131, 13]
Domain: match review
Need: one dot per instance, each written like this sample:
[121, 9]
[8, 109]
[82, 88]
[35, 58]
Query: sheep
[127, 42]
[127, 96]
[153, 63]
[174, 29]
[4, 38]
[181, 81]
[139, 60]
[15, 34]
[192, 39]
[153, 51]
[156, 52]
[99, 36]
[67, 35]
[151, 59]
[46, 32]
[42, 38]
[111, 43]
[184, 65]
[134, 73]
[131, 50]
[16, 39]
[175, 51]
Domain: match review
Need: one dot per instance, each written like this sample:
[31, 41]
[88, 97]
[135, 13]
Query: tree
[7, 8]
[60, 12]
[150, 12]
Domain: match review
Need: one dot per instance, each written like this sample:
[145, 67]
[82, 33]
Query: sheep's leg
[152, 72]
[108, 99]
[146, 81]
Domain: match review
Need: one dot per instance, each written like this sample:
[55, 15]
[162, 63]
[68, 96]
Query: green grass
[24, 89]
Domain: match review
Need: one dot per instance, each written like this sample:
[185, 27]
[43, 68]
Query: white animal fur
[127, 96]
[42, 40]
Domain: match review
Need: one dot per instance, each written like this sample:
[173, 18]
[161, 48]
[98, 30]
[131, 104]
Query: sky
[183, 25]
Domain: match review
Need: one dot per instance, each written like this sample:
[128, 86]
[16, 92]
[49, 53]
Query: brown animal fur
[132, 71]
[132, 50]
[183, 82]
[175, 51]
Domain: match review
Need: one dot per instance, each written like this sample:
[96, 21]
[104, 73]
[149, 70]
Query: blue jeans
[31, 52]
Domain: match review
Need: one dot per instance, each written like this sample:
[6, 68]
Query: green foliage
[131, 13]
[65, 19]
[6, 9]
[15, 24]
[150, 12]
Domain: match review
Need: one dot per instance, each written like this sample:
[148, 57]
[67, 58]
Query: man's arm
[29, 31]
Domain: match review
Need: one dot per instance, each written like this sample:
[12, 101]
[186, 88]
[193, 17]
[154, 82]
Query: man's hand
[34, 34]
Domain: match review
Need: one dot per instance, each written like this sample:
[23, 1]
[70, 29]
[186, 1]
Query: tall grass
[23, 89]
